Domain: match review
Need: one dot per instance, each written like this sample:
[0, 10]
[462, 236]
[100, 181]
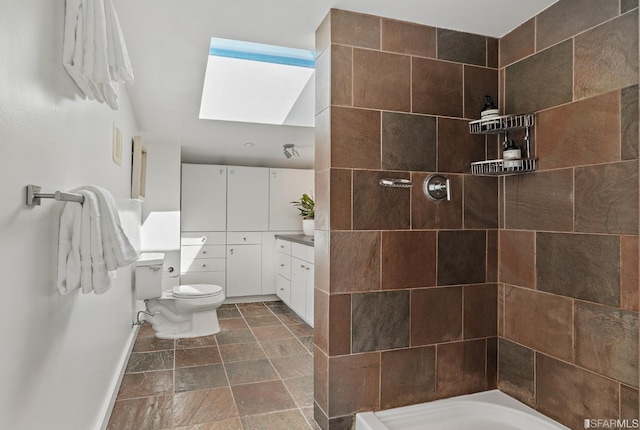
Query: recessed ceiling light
[249, 144]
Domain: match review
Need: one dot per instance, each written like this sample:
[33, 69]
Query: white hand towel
[118, 251]
[94, 52]
[95, 276]
[92, 243]
[69, 266]
[86, 275]
[72, 49]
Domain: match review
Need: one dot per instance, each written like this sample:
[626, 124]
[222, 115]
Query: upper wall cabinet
[286, 186]
[204, 198]
[247, 198]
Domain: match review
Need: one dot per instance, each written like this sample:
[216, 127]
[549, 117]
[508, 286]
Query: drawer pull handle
[281, 246]
[231, 251]
[203, 240]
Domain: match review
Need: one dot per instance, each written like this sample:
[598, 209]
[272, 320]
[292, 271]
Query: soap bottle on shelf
[511, 155]
[489, 110]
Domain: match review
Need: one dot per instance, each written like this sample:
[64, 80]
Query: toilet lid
[196, 291]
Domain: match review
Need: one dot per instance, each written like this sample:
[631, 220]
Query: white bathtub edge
[376, 420]
[369, 421]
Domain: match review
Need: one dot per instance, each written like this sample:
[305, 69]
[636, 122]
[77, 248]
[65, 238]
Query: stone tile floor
[256, 374]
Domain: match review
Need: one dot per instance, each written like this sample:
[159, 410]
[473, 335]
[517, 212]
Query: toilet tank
[148, 278]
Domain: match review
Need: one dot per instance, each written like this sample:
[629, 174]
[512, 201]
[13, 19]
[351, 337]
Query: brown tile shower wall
[568, 239]
[406, 294]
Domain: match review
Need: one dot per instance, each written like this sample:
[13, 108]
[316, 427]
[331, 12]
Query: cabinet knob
[203, 240]
[281, 246]
[204, 252]
[281, 289]
[231, 251]
[282, 265]
[244, 238]
[204, 265]
[302, 266]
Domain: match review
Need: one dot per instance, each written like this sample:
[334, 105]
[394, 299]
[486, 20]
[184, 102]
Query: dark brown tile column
[392, 267]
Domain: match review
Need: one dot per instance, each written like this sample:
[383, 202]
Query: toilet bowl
[181, 312]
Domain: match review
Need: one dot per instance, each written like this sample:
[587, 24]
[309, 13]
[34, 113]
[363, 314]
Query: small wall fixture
[34, 196]
[290, 150]
[395, 183]
[437, 188]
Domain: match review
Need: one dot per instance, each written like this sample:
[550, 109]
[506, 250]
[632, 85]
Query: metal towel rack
[34, 195]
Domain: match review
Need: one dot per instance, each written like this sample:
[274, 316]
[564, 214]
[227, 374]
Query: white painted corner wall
[161, 207]
[61, 354]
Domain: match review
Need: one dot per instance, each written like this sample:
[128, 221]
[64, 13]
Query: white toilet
[184, 310]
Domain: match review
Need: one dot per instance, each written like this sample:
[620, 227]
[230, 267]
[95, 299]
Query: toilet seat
[196, 291]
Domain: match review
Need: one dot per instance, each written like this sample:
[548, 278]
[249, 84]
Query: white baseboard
[118, 380]
[250, 299]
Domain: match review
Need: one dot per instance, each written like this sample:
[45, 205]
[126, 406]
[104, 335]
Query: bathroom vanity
[229, 218]
[295, 266]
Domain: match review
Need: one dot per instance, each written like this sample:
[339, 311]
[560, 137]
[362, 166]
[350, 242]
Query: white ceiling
[168, 42]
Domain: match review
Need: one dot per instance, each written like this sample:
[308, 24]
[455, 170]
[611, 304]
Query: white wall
[61, 354]
[161, 207]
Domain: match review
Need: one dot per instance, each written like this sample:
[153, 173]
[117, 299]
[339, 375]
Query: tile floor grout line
[286, 318]
[274, 367]
[224, 367]
[299, 408]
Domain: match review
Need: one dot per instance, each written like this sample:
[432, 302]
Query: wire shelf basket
[500, 124]
[503, 167]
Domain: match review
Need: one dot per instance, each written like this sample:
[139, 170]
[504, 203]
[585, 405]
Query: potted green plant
[306, 208]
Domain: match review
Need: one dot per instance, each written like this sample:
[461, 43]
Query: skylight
[252, 82]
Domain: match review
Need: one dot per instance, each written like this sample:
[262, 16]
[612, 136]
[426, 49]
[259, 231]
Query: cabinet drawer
[283, 289]
[244, 238]
[202, 237]
[303, 252]
[205, 251]
[214, 278]
[283, 246]
[284, 265]
[203, 265]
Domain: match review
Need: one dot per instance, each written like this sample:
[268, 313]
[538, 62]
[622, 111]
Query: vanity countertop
[298, 238]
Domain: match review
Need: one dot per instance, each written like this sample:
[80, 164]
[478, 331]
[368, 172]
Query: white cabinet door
[298, 290]
[309, 283]
[204, 198]
[247, 198]
[244, 270]
[283, 286]
[286, 186]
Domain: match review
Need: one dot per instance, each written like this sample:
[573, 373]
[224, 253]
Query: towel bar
[34, 195]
